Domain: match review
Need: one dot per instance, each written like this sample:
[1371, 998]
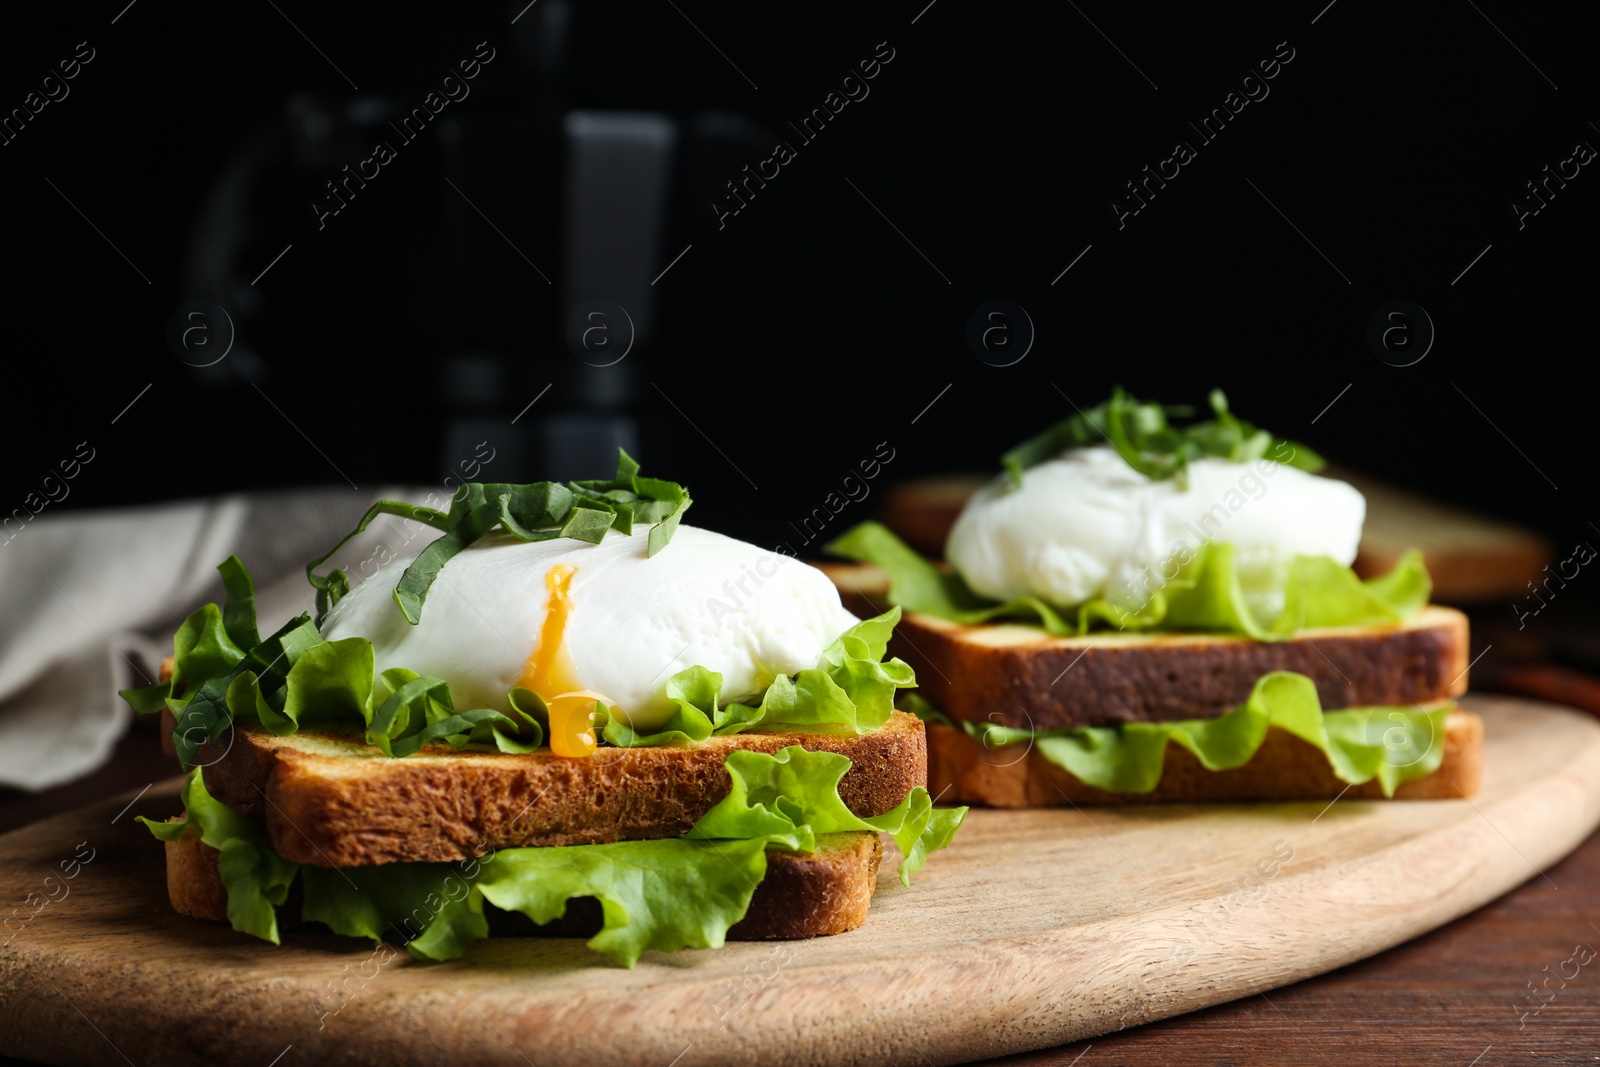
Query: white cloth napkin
[89, 601]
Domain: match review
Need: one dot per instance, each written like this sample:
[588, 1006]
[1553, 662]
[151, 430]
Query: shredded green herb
[536, 511]
[1151, 445]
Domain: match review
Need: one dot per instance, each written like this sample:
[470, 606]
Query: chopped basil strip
[1154, 447]
[536, 511]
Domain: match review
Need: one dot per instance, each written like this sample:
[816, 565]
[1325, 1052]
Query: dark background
[810, 329]
[807, 330]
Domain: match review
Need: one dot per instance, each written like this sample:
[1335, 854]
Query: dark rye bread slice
[962, 771]
[331, 800]
[804, 894]
[1017, 675]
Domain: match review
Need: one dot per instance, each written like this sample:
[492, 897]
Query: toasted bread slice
[1018, 675]
[805, 894]
[962, 771]
[329, 799]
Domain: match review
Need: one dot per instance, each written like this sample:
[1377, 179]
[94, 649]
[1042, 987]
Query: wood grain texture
[1458, 996]
[1036, 928]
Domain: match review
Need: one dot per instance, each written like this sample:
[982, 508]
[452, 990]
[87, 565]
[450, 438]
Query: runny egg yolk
[549, 672]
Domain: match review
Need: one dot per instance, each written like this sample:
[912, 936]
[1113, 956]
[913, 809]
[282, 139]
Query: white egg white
[705, 600]
[1087, 525]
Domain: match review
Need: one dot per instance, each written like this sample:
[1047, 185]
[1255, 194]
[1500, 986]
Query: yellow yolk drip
[550, 672]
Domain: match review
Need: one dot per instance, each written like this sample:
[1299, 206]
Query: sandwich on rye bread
[567, 697]
[1136, 611]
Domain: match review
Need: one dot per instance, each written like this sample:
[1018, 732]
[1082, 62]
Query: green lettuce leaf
[528, 729]
[654, 895]
[295, 678]
[1323, 593]
[147, 700]
[1393, 745]
[694, 694]
[331, 681]
[256, 878]
[852, 689]
[1206, 594]
[202, 648]
[430, 907]
[239, 613]
[661, 895]
[790, 796]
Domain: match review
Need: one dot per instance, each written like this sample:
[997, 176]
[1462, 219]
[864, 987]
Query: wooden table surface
[1462, 994]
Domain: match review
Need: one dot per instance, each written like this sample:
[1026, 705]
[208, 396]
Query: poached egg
[577, 622]
[1086, 525]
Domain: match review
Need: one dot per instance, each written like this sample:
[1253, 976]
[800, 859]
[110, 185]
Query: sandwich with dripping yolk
[598, 632]
[568, 697]
[550, 674]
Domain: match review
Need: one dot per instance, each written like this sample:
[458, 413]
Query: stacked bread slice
[327, 799]
[1017, 676]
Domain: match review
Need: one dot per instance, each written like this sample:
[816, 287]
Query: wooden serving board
[1036, 928]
